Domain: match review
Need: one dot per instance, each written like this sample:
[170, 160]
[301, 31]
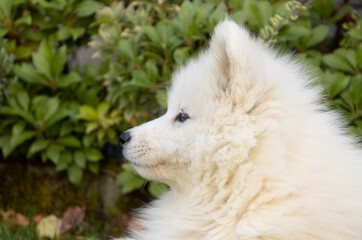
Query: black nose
[124, 137]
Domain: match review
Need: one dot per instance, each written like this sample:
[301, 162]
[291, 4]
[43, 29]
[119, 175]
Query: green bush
[43, 103]
[67, 116]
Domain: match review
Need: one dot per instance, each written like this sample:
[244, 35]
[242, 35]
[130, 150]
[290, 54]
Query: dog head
[214, 104]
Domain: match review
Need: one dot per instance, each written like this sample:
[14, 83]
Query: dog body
[248, 151]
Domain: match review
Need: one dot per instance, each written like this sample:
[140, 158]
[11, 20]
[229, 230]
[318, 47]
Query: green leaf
[152, 71]
[6, 110]
[140, 79]
[67, 156]
[23, 99]
[341, 82]
[87, 8]
[161, 97]
[51, 108]
[236, 4]
[18, 139]
[337, 60]
[37, 146]
[353, 95]
[58, 61]
[46, 49]
[157, 189]
[89, 139]
[7, 150]
[292, 32]
[93, 155]
[53, 153]
[342, 12]
[257, 13]
[129, 181]
[66, 32]
[63, 33]
[18, 128]
[3, 32]
[51, 5]
[102, 109]
[129, 168]
[221, 11]
[181, 55]
[37, 101]
[39, 106]
[69, 79]
[356, 33]
[105, 17]
[13, 103]
[351, 58]
[185, 19]
[76, 32]
[89, 96]
[79, 159]
[359, 57]
[64, 161]
[75, 174]
[24, 20]
[27, 73]
[323, 7]
[5, 145]
[59, 115]
[91, 127]
[359, 128]
[23, 52]
[69, 141]
[318, 34]
[335, 82]
[4, 139]
[87, 112]
[41, 60]
[93, 167]
[65, 129]
[127, 49]
[151, 33]
[100, 134]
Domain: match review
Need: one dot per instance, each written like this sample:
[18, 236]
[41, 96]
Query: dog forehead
[193, 85]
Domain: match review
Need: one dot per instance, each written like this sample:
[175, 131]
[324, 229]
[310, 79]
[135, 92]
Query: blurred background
[74, 74]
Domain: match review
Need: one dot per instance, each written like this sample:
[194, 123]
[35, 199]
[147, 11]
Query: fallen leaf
[15, 218]
[72, 218]
[38, 218]
[49, 227]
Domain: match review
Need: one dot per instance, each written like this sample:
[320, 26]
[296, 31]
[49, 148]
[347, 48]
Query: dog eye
[182, 117]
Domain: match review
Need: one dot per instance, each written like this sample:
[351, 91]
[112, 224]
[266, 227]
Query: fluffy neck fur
[266, 194]
[211, 210]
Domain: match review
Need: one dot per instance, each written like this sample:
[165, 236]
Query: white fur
[259, 158]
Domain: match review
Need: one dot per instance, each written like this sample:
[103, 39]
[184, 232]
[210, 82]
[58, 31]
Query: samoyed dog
[248, 151]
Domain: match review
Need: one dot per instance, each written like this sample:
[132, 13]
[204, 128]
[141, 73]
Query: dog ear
[226, 46]
[241, 62]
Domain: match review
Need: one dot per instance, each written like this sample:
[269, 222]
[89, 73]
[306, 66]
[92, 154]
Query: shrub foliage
[60, 114]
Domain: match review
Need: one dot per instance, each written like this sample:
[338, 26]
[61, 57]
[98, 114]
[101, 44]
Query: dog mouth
[143, 165]
[128, 156]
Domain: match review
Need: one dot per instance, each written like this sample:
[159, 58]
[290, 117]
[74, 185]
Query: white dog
[248, 152]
